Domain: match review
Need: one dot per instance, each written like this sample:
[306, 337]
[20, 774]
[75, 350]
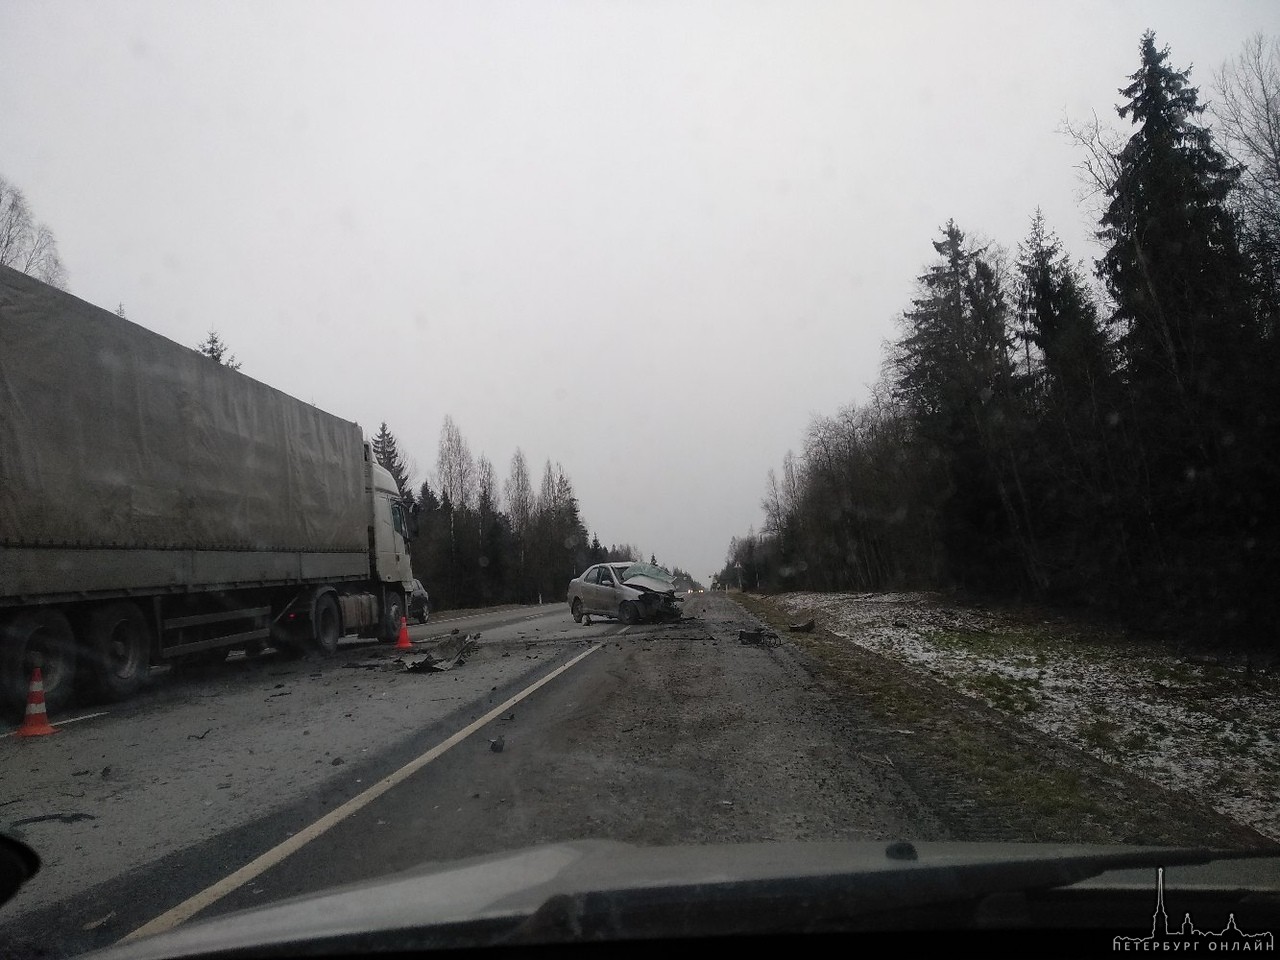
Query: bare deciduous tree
[1099, 166]
[25, 244]
[456, 467]
[1248, 115]
[519, 493]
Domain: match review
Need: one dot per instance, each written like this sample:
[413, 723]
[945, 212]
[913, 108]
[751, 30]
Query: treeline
[1036, 434]
[478, 545]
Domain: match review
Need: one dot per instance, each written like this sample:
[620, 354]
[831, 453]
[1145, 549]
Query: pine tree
[1173, 263]
[954, 373]
[1188, 342]
[388, 456]
[213, 348]
[1068, 393]
[1060, 319]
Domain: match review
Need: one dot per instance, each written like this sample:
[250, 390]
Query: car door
[590, 590]
[608, 595]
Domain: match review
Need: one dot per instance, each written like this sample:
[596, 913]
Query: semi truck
[159, 507]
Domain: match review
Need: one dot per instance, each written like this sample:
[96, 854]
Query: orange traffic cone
[36, 722]
[402, 643]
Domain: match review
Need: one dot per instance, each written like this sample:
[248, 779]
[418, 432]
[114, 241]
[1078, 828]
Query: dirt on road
[694, 736]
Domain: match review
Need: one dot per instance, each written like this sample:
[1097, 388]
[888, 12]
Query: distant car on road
[630, 592]
[419, 603]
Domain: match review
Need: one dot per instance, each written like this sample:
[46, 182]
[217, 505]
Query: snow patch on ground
[1208, 729]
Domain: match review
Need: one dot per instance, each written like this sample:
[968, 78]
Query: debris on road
[497, 743]
[431, 664]
[806, 627]
[760, 638]
[423, 664]
[448, 655]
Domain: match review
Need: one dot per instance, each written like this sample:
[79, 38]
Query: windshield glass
[646, 570]
[948, 510]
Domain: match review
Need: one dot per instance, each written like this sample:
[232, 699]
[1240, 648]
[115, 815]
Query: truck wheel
[116, 657]
[628, 612]
[576, 610]
[393, 615]
[327, 626]
[36, 638]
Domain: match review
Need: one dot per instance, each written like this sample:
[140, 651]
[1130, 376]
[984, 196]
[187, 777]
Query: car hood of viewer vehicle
[601, 891]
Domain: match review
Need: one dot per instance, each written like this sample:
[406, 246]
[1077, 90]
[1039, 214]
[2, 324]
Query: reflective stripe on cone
[36, 721]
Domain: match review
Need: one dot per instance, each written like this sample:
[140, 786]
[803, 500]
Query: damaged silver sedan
[630, 592]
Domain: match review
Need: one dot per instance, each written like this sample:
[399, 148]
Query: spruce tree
[388, 456]
[1188, 342]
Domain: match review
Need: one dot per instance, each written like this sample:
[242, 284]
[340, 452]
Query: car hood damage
[645, 577]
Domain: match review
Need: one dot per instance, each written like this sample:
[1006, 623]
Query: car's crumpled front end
[655, 591]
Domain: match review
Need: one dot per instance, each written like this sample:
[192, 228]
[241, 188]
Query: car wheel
[628, 612]
[576, 610]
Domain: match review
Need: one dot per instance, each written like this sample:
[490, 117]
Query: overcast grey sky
[647, 240]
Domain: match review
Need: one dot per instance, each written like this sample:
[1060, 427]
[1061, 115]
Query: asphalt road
[267, 778]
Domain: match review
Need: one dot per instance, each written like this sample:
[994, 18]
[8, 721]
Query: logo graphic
[1230, 939]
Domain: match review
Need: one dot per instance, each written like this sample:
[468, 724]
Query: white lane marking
[211, 895]
[622, 631]
[87, 716]
[471, 616]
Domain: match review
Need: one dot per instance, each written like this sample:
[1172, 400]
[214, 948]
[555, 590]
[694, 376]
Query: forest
[1102, 437]
[480, 545]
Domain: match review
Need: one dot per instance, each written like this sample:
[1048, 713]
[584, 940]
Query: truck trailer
[157, 507]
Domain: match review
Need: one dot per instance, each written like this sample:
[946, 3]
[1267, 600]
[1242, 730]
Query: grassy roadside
[988, 776]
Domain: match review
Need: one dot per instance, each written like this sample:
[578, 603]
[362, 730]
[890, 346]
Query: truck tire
[326, 626]
[116, 656]
[392, 615]
[31, 638]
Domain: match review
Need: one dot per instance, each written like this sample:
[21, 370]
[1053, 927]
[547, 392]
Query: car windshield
[646, 570]
[943, 490]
